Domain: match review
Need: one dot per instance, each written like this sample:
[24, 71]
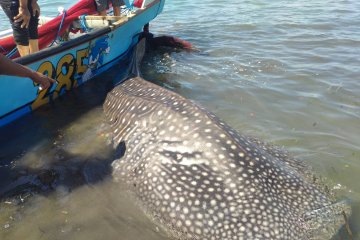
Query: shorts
[102, 5]
[21, 35]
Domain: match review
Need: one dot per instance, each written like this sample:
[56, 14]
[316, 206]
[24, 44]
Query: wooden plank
[97, 23]
[120, 22]
[109, 18]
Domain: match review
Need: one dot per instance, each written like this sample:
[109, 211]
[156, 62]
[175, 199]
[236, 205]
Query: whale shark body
[200, 179]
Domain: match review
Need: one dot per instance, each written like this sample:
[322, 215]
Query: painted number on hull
[66, 69]
[64, 74]
[45, 68]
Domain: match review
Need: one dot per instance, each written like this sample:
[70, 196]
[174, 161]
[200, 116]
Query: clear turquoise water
[286, 72]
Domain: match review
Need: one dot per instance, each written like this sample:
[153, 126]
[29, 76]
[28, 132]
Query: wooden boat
[102, 43]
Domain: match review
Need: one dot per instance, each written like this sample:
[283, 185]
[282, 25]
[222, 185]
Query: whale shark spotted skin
[200, 179]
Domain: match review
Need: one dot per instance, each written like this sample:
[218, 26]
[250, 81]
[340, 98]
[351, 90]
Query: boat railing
[76, 33]
[74, 28]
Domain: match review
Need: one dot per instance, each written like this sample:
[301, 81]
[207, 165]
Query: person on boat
[102, 5]
[24, 19]
[8, 67]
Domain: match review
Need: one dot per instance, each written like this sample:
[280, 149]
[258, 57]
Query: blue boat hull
[72, 64]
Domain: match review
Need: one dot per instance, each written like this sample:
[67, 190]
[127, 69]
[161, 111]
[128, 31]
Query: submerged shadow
[69, 173]
[44, 126]
[42, 129]
[19, 180]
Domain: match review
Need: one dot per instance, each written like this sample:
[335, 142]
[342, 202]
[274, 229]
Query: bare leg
[34, 45]
[102, 13]
[23, 50]
[117, 11]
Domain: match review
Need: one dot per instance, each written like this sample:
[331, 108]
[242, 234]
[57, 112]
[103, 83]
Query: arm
[24, 14]
[35, 7]
[8, 67]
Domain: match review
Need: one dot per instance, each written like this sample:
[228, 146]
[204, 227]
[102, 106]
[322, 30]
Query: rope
[12, 53]
[129, 7]
[60, 27]
[83, 23]
[3, 49]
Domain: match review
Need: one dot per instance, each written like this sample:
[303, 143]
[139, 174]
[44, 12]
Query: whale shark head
[200, 179]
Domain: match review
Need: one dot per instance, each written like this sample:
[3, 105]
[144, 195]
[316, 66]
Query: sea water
[286, 72]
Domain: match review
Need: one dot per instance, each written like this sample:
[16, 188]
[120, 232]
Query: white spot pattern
[200, 178]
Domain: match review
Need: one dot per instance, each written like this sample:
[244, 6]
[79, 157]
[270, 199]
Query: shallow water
[283, 71]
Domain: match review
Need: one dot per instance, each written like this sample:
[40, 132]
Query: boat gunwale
[50, 51]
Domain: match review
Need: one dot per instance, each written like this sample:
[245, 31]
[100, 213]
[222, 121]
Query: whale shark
[199, 178]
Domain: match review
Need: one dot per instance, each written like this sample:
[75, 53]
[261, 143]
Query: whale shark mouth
[324, 223]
